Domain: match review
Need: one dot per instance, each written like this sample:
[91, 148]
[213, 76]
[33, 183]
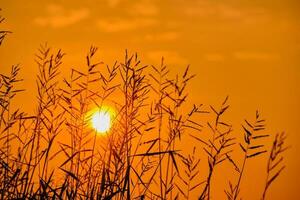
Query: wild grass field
[56, 152]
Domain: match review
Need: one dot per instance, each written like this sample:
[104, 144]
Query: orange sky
[248, 50]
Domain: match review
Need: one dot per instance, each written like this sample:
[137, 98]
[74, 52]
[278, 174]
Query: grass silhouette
[55, 154]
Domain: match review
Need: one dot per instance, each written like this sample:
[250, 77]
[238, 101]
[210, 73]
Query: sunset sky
[247, 49]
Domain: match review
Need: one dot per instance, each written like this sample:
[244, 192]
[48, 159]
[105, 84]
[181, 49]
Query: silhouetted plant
[3, 33]
[275, 162]
[58, 155]
[251, 148]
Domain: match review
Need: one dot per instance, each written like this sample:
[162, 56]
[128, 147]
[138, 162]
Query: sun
[102, 119]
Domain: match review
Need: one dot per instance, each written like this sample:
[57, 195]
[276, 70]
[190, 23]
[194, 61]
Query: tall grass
[3, 33]
[54, 153]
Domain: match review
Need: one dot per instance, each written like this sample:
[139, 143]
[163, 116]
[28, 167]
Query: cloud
[171, 57]
[58, 17]
[122, 24]
[144, 8]
[138, 14]
[229, 12]
[216, 9]
[164, 36]
[214, 57]
[113, 3]
[199, 9]
[260, 56]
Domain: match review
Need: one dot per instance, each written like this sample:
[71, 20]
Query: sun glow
[102, 119]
